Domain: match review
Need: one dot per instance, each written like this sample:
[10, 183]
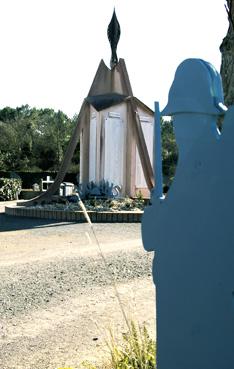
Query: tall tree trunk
[227, 50]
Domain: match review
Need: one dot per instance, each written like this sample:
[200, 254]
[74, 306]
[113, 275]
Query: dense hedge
[29, 178]
[10, 188]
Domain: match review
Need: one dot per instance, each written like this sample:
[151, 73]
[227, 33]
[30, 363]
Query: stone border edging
[76, 216]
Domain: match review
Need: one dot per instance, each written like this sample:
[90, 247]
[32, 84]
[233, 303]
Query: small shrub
[122, 204]
[138, 351]
[139, 196]
[10, 188]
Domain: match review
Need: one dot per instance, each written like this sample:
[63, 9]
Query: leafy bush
[10, 188]
[138, 351]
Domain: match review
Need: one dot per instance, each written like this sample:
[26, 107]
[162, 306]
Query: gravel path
[34, 285]
[57, 298]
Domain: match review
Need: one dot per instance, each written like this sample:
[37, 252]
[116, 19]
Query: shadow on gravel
[11, 223]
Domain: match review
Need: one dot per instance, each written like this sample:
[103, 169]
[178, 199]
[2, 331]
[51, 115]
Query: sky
[51, 49]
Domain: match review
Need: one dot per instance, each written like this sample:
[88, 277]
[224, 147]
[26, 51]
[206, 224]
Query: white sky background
[51, 49]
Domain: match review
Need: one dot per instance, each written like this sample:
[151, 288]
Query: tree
[33, 139]
[227, 50]
[169, 151]
[53, 133]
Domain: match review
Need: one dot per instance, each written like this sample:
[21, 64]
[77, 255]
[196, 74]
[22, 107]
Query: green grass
[137, 351]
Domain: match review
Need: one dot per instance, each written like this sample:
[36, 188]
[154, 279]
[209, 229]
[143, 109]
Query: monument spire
[113, 33]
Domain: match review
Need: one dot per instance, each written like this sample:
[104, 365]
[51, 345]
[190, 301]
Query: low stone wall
[75, 216]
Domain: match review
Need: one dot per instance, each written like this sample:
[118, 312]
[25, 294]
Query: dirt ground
[57, 306]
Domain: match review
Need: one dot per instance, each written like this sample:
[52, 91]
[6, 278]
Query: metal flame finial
[113, 33]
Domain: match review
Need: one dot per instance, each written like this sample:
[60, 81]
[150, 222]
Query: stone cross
[192, 229]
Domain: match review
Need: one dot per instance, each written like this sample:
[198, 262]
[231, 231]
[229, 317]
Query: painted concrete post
[192, 230]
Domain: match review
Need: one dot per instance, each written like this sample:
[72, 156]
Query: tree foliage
[169, 151]
[33, 139]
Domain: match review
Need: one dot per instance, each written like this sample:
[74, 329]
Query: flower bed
[97, 205]
[100, 211]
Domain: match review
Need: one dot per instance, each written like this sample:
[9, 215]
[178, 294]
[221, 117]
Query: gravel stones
[36, 284]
